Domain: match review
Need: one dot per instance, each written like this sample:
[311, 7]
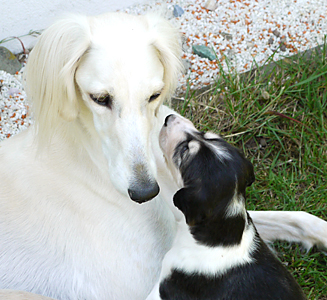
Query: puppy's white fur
[188, 256]
[186, 253]
[68, 229]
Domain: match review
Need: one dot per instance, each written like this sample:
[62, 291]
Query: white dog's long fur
[68, 229]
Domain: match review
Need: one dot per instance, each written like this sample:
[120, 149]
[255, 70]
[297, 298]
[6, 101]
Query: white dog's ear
[167, 42]
[50, 71]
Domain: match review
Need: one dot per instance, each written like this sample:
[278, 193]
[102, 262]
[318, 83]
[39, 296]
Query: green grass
[278, 116]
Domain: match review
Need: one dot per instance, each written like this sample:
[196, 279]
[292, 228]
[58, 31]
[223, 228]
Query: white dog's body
[68, 228]
[63, 236]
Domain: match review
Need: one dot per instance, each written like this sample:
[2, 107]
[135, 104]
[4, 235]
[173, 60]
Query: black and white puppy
[217, 252]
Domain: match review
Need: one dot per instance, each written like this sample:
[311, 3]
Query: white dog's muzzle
[145, 189]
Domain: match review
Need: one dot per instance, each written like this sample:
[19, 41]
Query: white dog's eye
[154, 97]
[104, 100]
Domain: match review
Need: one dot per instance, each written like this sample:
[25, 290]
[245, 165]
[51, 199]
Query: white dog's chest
[97, 249]
[113, 259]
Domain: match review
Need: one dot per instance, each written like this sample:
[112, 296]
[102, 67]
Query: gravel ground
[240, 32]
[243, 31]
[13, 105]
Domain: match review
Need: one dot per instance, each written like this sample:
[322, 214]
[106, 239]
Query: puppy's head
[209, 170]
[110, 73]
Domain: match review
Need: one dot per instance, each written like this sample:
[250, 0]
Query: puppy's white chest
[189, 256]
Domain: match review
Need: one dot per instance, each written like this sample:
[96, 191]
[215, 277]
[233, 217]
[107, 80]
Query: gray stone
[178, 11]
[276, 32]
[211, 4]
[14, 91]
[230, 54]
[204, 51]
[249, 45]
[270, 41]
[187, 65]
[263, 142]
[185, 47]
[227, 36]
[8, 61]
[282, 47]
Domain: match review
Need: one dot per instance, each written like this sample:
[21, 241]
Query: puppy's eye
[184, 150]
[104, 100]
[154, 97]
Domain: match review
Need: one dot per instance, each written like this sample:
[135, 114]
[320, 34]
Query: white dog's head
[118, 68]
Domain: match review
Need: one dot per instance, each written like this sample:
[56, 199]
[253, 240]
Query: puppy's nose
[169, 118]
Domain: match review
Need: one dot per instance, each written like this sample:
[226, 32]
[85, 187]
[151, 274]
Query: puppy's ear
[167, 42]
[50, 72]
[180, 200]
[191, 205]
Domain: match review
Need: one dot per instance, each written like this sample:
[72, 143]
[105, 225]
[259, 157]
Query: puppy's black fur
[211, 181]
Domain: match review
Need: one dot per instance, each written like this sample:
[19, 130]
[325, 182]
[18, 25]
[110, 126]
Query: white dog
[71, 226]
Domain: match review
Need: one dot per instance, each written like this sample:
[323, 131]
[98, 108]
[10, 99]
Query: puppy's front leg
[291, 226]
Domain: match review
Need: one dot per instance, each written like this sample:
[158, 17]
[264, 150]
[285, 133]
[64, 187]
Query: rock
[270, 41]
[14, 91]
[187, 65]
[178, 11]
[227, 36]
[185, 47]
[230, 54]
[211, 4]
[265, 95]
[251, 143]
[8, 61]
[204, 51]
[263, 142]
[282, 47]
[249, 45]
[276, 33]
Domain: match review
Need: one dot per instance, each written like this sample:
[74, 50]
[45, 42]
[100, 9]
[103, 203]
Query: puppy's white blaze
[236, 206]
[221, 152]
[189, 256]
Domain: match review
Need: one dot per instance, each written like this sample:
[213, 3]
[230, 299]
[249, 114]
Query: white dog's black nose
[144, 192]
[169, 118]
